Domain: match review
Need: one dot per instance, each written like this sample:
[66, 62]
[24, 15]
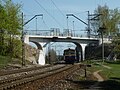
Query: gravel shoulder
[74, 81]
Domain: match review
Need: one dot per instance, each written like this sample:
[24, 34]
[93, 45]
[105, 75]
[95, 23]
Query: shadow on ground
[113, 62]
[112, 84]
[83, 84]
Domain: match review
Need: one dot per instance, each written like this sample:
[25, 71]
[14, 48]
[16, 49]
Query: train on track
[70, 56]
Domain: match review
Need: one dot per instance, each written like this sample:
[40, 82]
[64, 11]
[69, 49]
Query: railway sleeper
[26, 80]
[22, 70]
[24, 76]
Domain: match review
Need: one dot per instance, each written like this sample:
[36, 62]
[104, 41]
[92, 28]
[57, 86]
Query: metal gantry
[89, 19]
[88, 24]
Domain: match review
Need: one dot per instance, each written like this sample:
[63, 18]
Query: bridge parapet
[55, 33]
[67, 33]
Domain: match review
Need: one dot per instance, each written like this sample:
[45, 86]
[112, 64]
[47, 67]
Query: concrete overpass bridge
[42, 39]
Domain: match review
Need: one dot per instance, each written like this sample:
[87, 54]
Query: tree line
[109, 21]
[10, 28]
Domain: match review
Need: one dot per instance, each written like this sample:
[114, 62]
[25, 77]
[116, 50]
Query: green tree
[10, 17]
[116, 44]
[13, 24]
[109, 18]
[2, 29]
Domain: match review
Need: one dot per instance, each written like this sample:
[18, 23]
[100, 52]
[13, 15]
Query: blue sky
[56, 17]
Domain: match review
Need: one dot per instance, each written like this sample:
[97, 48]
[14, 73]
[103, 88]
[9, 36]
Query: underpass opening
[58, 48]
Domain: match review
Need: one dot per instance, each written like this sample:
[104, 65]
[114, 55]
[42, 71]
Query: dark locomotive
[70, 56]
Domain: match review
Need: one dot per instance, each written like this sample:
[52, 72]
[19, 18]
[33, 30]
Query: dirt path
[99, 79]
[107, 67]
[96, 74]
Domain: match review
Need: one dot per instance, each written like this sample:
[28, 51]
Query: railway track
[8, 72]
[25, 76]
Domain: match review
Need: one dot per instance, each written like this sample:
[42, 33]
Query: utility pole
[23, 46]
[88, 25]
[102, 30]
[102, 45]
[73, 29]
[49, 53]
[36, 25]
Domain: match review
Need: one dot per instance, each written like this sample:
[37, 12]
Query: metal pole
[67, 26]
[36, 25]
[67, 23]
[85, 69]
[85, 72]
[102, 34]
[73, 29]
[23, 49]
[88, 25]
[102, 47]
[49, 54]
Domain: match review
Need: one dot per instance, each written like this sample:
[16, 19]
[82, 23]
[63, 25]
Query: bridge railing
[37, 32]
[53, 33]
[66, 33]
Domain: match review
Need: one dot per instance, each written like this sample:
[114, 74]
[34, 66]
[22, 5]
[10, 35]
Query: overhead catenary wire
[58, 8]
[49, 14]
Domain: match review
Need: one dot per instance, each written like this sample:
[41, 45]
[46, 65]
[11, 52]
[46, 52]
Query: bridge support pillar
[80, 50]
[41, 58]
[42, 51]
[83, 50]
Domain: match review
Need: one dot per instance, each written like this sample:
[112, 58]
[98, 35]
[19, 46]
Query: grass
[4, 60]
[108, 74]
[114, 72]
[111, 76]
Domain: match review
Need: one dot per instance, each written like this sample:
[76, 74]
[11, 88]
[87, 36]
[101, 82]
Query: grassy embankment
[4, 60]
[8, 61]
[111, 75]
[107, 73]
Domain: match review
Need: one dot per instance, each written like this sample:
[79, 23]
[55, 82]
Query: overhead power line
[49, 14]
[57, 8]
